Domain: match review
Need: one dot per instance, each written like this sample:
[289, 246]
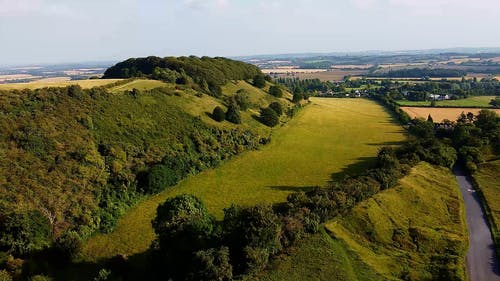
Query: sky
[56, 31]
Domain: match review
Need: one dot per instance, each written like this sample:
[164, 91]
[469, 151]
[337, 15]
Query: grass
[487, 179]
[439, 114]
[86, 84]
[320, 257]
[426, 202]
[479, 101]
[328, 136]
[140, 84]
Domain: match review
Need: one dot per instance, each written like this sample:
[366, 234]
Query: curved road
[482, 264]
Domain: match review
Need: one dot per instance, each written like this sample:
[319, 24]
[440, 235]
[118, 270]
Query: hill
[415, 231]
[75, 159]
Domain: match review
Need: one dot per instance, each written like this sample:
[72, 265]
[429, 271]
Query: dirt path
[482, 263]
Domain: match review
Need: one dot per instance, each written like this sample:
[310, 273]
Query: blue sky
[44, 31]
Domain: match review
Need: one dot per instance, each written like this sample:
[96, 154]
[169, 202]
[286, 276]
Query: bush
[212, 264]
[40, 278]
[297, 97]
[169, 173]
[218, 114]
[68, 245]
[242, 99]
[276, 91]
[259, 81]
[269, 117]
[5, 276]
[233, 114]
[277, 107]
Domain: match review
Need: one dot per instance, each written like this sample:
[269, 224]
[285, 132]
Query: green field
[141, 84]
[320, 257]
[328, 136]
[399, 232]
[86, 84]
[479, 101]
[487, 176]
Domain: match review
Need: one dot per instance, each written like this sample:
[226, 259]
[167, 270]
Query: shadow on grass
[358, 167]
[293, 188]
[380, 144]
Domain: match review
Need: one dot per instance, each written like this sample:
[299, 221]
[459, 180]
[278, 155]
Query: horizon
[56, 31]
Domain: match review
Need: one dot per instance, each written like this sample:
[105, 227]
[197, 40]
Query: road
[482, 264]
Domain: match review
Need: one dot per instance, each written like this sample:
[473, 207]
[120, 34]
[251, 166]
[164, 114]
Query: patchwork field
[439, 114]
[404, 232]
[480, 101]
[57, 83]
[338, 136]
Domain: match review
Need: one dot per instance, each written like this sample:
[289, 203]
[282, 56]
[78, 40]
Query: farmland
[398, 231]
[478, 101]
[339, 136]
[58, 83]
[439, 114]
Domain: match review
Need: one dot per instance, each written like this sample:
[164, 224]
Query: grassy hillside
[487, 177]
[76, 159]
[415, 231]
[339, 136]
[479, 101]
[320, 257]
[86, 84]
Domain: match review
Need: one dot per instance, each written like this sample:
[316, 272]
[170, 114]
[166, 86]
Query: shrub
[259, 81]
[242, 99]
[297, 97]
[269, 117]
[5, 276]
[277, 107]
[212, 264]
[22, 233]
[276, 91]
[218, 114]
[40, 278]
[69, 245]
[233, 114]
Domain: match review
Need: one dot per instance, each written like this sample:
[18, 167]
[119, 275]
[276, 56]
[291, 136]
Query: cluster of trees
[420, 72]
[78, 159]
[270, 116]
[205, 74]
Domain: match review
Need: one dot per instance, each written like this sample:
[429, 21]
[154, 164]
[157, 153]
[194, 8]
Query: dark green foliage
[276, 91]
[68, 245]
[297, 97]
[495, 102]
[259, 81]
[233, 114]
[269, 117]
[252, 234]
[422, 129]
[208, 73]
[218, 114]
[183, 227]
[212, 265]
[421, 72]
[22, 233]
[429, 119]
[242, 99]
[168, 173]
[277, 107]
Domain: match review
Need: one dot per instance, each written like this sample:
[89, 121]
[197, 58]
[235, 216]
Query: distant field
[58, 83]
[331, 75]
[479, 101]
[398, 231]
[439, 114]
[487, 176]
[328, 136]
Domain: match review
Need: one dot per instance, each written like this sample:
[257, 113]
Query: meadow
[86, 84]
[399, 232]
[329, 137]
[478, 101]
[439, 114]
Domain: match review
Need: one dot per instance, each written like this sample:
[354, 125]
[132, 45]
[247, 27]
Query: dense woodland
[419, 73]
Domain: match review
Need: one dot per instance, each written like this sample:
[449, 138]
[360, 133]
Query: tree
[212, 265]
[69, 245]
[22, 233]
[259, 81]
[277, 107]
[242, 99]
[218, 114]
[183, 226]
[276, 91]
[233, 114]
[297, 97]
[269, 117]
[429, 119]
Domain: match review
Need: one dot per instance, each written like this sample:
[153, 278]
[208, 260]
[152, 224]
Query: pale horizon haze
[57, 31]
